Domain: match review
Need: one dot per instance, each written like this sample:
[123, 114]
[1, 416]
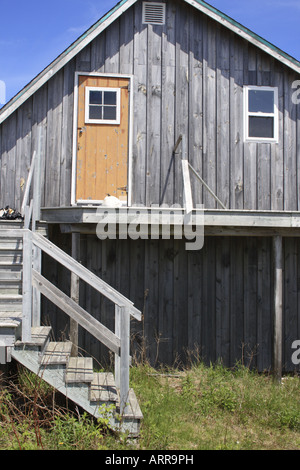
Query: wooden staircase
[95, 392]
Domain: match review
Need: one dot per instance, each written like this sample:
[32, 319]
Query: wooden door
[102, 138]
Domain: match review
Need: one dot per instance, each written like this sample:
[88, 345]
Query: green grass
[198, 408]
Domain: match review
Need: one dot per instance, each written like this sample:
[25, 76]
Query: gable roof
[114, 14]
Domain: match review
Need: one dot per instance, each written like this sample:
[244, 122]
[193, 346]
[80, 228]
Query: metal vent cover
[154, 13]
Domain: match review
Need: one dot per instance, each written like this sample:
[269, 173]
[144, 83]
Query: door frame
[74, 143]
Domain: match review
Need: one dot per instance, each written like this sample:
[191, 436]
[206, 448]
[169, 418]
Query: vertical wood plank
[196, 104]
[126, 42]
[168, 108]
[153, 117]
[182, 91]
[140, 108]
[250, 302]
[236, 129]
[290, 289]
[223, 116]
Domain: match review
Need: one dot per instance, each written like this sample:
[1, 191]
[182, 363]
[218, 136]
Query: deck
[216, 222]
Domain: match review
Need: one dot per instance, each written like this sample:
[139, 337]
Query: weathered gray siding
[216, 302]
[189, 77]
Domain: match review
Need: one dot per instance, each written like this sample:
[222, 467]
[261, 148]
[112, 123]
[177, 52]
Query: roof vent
[154, 13]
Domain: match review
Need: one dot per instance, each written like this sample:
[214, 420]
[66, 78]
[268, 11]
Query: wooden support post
[118, 334]
[277, 320]
[75, 293]
[36, 295]
[27, 286]
[124, 358]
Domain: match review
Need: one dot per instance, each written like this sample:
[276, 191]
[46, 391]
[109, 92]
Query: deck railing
[118, 342]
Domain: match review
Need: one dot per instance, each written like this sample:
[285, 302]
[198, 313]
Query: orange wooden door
[102, 138]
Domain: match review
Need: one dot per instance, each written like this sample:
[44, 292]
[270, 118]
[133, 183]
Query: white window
[102, 105]
[261, 113]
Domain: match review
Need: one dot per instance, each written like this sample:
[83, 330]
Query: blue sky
[33, 33]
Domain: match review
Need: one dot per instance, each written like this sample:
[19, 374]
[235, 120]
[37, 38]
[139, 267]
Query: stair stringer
[78, 394]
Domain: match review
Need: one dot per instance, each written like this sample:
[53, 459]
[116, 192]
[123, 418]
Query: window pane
[110, 97]
[261, 101]
[95, 112]
[95, 97]
[261, 127]
[110, 113]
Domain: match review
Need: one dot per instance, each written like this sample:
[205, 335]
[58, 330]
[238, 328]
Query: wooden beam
[277, 320]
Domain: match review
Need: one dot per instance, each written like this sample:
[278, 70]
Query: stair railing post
[124, 358]
[27, 286]
[117, 333]
[36, 215]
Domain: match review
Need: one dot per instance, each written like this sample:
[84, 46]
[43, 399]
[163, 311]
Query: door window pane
[95, 97]
[110, 98]
[95, 112]
[109, 112]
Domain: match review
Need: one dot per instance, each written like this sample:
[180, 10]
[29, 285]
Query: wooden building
[105, 117]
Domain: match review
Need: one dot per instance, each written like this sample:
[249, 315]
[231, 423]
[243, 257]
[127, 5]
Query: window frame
[248, 113]
[87, 119]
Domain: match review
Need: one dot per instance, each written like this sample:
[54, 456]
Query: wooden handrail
[77, 313]
[86, 275]
[117, 342]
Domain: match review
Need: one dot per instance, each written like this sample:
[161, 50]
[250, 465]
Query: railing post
[74, 293]
[117, 333]
[36, 295]
[124, 323]
[27, 286]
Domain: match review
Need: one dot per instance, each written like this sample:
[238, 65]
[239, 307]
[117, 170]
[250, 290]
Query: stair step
[80, 369]
[103, 388]
[10, 275]
[133, 410]
[57, 353]
[10, 299]
[10, 319]
[11, 244]
[39, 336]
[11, 266]
[11, 257]
[10, 288]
